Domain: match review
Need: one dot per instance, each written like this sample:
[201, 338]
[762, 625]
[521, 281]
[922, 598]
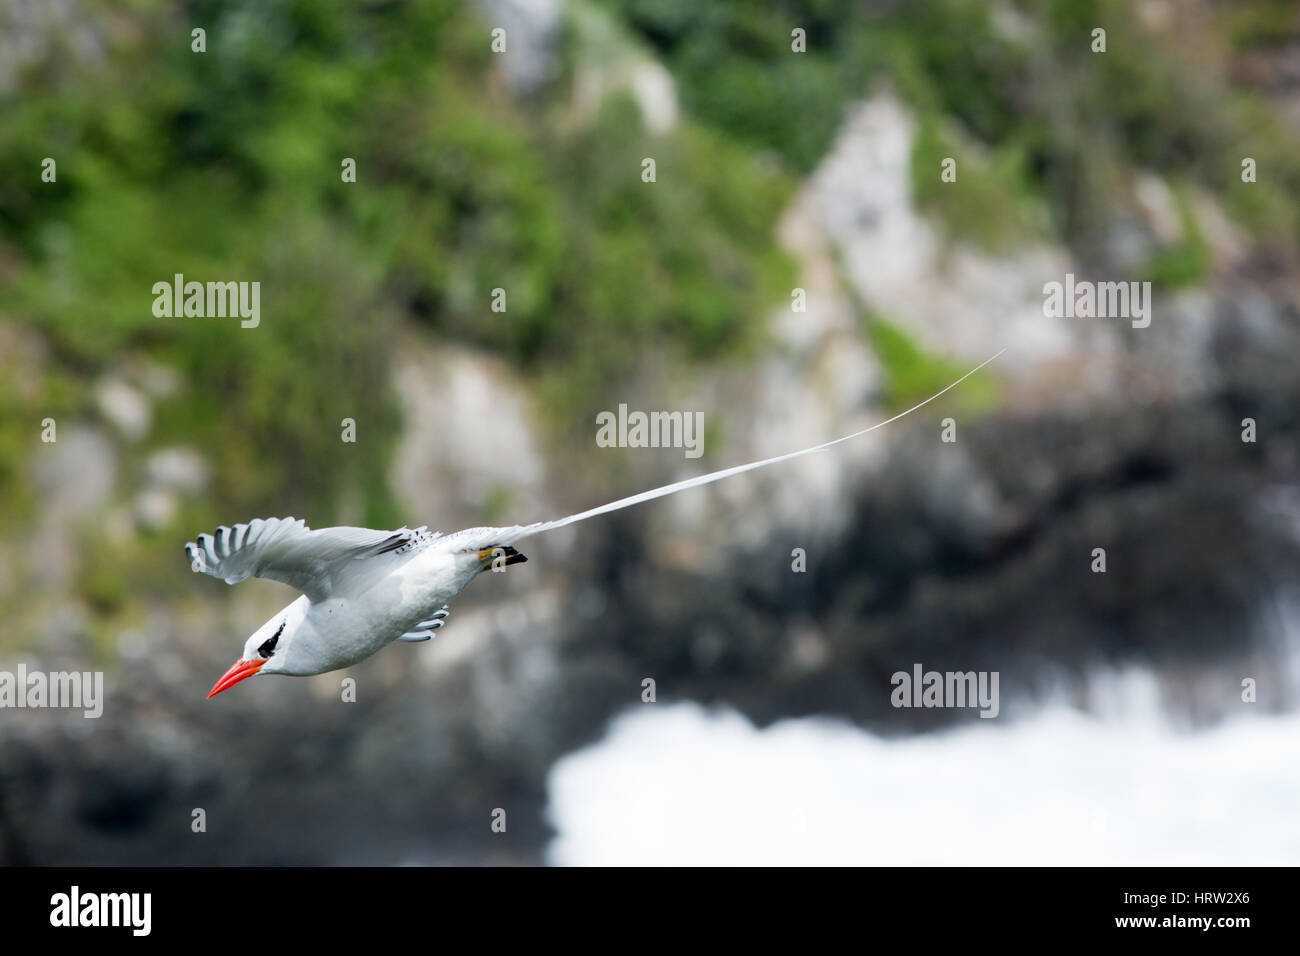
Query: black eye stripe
[268, 645]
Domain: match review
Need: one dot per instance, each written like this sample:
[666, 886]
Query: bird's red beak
[238, 671]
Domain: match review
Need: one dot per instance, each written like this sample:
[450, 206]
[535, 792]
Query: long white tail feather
[519, 532]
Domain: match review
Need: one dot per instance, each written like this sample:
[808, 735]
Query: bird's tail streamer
[525, 531]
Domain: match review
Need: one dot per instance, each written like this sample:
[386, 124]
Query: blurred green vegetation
[912, 374]
[1185, 262]
[990, 201]
[1064, 125]
[226, 165]
[1268, 24]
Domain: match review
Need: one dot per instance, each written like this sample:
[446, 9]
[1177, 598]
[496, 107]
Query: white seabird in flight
[363, 589]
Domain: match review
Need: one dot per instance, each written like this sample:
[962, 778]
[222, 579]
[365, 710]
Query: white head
[267, 651]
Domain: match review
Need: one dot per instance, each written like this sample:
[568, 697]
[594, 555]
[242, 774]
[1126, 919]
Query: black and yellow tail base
[502, 557]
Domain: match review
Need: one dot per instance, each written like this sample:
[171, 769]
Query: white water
[677, 784]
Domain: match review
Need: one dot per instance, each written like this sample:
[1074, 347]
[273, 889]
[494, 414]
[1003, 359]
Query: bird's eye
[268, 645]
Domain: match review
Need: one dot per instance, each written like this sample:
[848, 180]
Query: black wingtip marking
[392, 544]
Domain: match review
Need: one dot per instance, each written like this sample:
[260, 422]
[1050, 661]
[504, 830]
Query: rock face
[609, 62]
[531, 33]
[73, 479]
[468, 444]
[29, 31]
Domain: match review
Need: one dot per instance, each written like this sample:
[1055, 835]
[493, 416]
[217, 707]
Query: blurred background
[1122, 735]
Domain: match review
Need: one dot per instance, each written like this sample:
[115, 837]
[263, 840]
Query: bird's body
[348, 627]
[363, 589]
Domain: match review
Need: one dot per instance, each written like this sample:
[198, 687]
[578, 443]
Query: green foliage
[737, 73]
[1185, 262]
[1064, 125]
[19, 432]
[1256, 24]
[685, 262]
[226, 166]
[913, 374]
[990, 201]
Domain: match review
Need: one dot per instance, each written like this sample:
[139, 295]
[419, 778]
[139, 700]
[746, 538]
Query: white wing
[479, 538]
[317, 563]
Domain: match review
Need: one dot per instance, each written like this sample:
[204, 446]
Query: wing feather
[318, 563]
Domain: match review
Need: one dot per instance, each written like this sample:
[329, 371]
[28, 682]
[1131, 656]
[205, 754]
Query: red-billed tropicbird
[362, 589]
